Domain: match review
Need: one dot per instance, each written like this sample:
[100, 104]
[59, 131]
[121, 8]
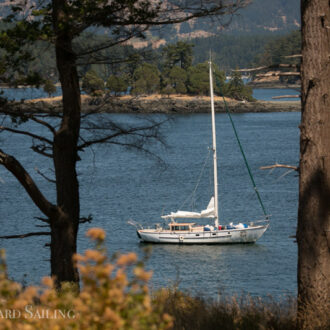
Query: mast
[214, 149]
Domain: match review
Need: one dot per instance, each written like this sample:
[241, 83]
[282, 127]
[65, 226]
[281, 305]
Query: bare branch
[88, 219]
[44, 123]
[40, 233]
[259, 68]
[143, 132]
[287, 74]
[285, 96]
[140, 149]
[35, 136]
[293, 56]
[268, 67]
[40, 149]
[100, 140]
[278, 74]
[43, 219]
[44, 176]
[110, 44]
[27, 115]
[29, 185]
[296, 168]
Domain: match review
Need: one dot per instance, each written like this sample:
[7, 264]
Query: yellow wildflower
[96, 234]
[127, 259]
[94, 255]
[48, 281]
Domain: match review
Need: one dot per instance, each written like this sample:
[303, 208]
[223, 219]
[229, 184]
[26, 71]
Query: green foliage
[168, 90]
[16, 37]
[275, 53]
[178, 79]
[116, 84]
[180, 53]
[49, 87]
[92, 83]
[231, 51]
[236, 88]
[281, 46]
[198, 79]
[146, 79]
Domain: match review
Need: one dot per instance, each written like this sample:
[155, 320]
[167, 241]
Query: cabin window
[180, 228]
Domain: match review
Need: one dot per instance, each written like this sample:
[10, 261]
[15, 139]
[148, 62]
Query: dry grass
[54, 99]
[243, 313]
[140, 97]
[174, 97]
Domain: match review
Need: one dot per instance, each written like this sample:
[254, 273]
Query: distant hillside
[240, 44]
[260, 17]
[247, 50]
[268, 15]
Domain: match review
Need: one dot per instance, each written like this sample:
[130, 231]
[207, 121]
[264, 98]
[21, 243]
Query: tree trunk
[314, 185]
[64, 228]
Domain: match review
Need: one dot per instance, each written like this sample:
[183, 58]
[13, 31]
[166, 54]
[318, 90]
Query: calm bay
[117, 184]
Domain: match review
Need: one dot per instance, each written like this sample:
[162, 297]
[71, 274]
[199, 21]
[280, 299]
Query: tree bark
[64, 228]
[314, 185]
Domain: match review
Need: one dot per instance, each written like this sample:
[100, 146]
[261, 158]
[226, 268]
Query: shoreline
[272, 85]
[180, 104]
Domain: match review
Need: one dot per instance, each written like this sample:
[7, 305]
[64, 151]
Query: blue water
[117, 184]
[267, 94]
[26, 93]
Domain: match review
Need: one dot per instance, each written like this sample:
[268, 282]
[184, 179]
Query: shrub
[236, 88]
[117, 85]
[92, 83]
[114, 295]
[49, 87]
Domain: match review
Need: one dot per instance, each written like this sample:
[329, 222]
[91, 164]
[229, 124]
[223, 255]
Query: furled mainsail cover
[207, 213]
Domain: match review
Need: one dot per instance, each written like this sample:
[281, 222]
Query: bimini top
[207, 213]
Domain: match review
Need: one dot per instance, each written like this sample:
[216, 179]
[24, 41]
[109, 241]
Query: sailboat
[180, 230]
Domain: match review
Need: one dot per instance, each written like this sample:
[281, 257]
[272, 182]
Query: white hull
[246, 235]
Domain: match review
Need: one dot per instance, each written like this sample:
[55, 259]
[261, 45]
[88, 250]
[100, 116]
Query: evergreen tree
[116, 84]
[49, 87]
[168, 90]
[180, 53]
[92, 83]
[146, 79]
[178, 79]
[281, 46]
[198, 79]
[236, 88]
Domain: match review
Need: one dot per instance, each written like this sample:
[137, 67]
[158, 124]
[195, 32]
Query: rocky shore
[159, 104]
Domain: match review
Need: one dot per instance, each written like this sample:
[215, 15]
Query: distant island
[156, 103]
